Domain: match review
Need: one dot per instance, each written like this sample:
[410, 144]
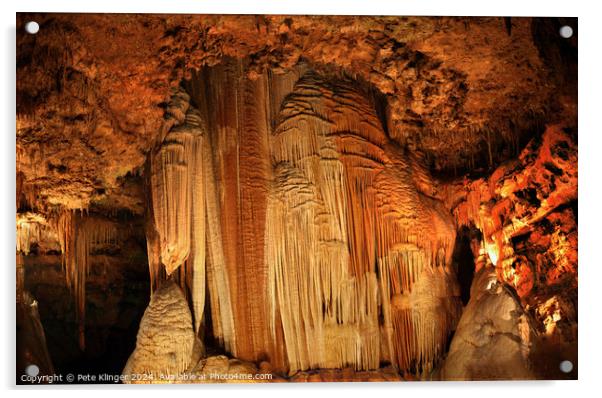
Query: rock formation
[165, 340]
[379, 247]
[305, 197]
[494, 337]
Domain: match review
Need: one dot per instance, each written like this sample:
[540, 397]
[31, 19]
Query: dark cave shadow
[463, 260]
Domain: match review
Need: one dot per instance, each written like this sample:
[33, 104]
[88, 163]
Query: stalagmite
[495, 335]
[164, 344]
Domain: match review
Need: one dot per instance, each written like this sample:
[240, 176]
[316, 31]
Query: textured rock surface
[221, 369]
[345, 193]
[494, 336]
[526, 212]
[347, 375]
[530, 193]
[31, 339]
[165, 341]
[92, 88]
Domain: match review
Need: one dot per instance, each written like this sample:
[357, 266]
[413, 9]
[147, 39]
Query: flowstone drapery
[358, 258]
[178, 201]
[314, 229]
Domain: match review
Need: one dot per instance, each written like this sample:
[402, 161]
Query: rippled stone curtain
[358, 258]
[322, 247]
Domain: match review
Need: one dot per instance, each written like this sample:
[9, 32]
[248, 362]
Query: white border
[590, 93]
[337, 7]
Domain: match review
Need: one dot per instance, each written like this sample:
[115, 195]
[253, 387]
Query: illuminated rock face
[494, 336]
[165, 341]
[322, 248]
[178, 198]
[526, 213]
[358, 258]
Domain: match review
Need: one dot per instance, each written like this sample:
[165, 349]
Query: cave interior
[317, 198]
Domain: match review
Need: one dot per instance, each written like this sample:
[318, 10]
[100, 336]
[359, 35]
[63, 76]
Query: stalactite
[349, 237]
[20, 278]
[153, 250]
[178, 206]
[75, 265]
[198, 240]
[78, 235]
[171, 199]
[30, 228]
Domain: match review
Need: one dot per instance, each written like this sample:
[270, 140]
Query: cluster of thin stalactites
[77, 235]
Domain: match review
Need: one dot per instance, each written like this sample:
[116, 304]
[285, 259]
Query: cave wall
[526, 216]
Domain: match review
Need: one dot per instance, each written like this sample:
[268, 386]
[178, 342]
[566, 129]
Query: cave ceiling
[92, 90]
